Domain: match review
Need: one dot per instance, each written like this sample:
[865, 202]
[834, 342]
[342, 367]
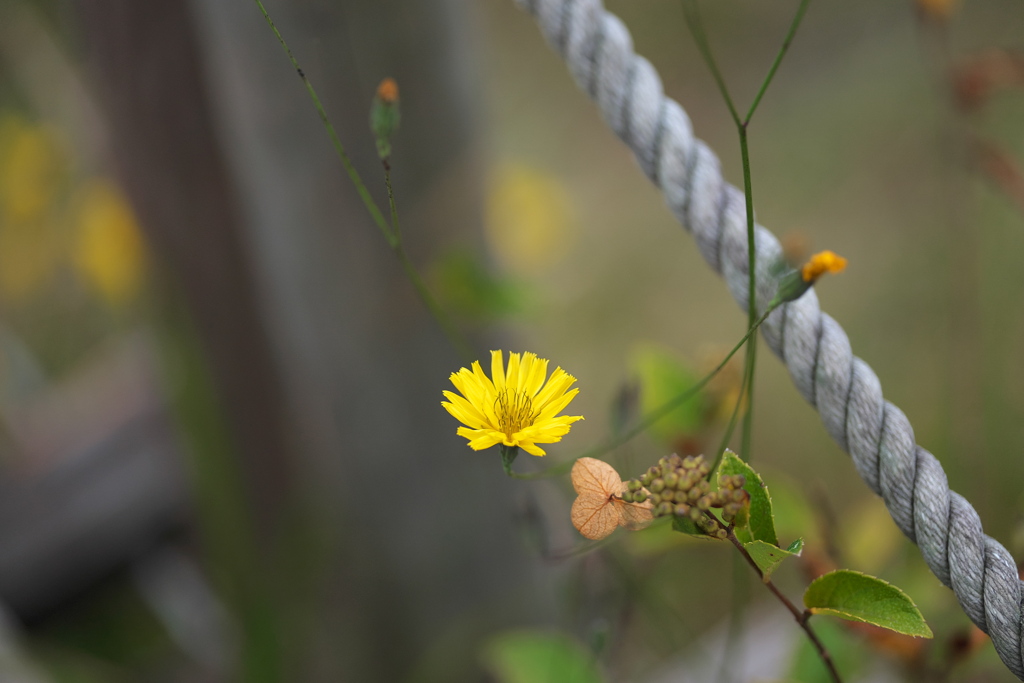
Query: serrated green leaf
[539, 657]
[663, 377]
[858, 597]
[767, 556]
[761, 526]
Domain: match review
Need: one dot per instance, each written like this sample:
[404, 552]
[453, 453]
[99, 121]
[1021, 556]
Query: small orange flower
[821, 263]
[387, 91]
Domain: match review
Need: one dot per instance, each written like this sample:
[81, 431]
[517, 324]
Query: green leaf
[858, 597]
[539, 657]
[762, 524]
[767, 556]
[662, 378]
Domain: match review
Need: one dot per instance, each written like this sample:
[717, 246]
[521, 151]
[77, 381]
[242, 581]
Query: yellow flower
[31, 170]
[821, 263]
[531, 220]
[109, 250]
[517, 408]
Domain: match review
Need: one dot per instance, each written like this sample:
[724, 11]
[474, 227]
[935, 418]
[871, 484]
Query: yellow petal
[464, 411]
[526, 369]
[556, 405]
[557, 385]
[531, 448]
[497, 371]
[512, 374]
[480, 439]
[538, 371]
[485, 382]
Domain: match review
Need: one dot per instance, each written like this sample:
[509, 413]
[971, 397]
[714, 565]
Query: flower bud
[657, 486]
[385, 116]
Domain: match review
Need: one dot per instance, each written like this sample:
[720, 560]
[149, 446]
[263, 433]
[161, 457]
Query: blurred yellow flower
[108, 250]
[530, 220]
[31, 169]
[516, 408]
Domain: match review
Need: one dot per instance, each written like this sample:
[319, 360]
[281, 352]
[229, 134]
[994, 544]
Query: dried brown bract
[599, 507]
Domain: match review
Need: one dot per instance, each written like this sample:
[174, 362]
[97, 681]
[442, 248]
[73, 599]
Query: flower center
[514, 410]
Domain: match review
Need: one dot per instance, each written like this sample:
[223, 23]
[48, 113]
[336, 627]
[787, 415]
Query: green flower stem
[391, 233]
[508, 454]
[651, 417]
[395, 227]
[693, 20]
[692, 14]
[447, 326]
[751, 361]
[786, 42]
[353, 174]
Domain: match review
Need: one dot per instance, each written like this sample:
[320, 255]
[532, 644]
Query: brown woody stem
[801, 616]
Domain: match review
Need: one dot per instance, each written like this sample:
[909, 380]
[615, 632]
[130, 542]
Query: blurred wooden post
[409, 540]
[148, 76]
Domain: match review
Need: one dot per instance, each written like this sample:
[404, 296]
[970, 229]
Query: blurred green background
[222, 455]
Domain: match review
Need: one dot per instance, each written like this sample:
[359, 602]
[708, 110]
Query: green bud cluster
[733, 496]
[679, 486]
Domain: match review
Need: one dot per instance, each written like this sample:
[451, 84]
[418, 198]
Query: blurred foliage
[475, 292]
[539, 657]
[662, 377]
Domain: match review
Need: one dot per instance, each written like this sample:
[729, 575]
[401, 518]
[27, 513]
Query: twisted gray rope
[847, 394]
